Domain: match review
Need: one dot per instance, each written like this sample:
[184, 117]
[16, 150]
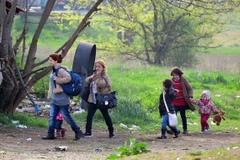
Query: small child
[169, 96]
[206, 108]
[60, 132]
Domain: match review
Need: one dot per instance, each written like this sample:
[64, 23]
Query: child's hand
[191, 100]
[176, 90]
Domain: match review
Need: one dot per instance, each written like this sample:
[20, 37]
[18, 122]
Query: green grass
[24, 119]
[230, 50]
[139, 88]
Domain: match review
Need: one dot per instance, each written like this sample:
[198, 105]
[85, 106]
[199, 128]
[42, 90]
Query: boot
[50, 136]
[78, 135]
[58, 133]
[111, 130]
[63, 130]
[163, 136]
[176, 133]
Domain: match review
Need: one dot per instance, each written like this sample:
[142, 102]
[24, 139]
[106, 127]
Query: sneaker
[162, 137]
[87, 135]
[207, 129]
[185, 132]
[111, 135]
[203, 131]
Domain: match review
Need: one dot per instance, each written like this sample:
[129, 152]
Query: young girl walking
[206, 108]
[169, 96]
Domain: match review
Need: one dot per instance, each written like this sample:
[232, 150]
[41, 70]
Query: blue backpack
[74, 87]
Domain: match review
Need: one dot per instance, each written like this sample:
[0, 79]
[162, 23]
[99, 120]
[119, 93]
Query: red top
[179, 98]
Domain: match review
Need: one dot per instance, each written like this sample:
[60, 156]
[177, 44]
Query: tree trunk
[12, 92]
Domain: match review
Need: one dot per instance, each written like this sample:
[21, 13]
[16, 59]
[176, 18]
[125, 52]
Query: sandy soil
[15, 144]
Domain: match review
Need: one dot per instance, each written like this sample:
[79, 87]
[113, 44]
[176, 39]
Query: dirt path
[15, 146]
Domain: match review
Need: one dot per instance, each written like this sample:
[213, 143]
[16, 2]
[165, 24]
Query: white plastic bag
[172, 119]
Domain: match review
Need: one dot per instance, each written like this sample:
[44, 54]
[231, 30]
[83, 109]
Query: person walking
[181, 101]
[169, 96]
[59, 100]
[206, 108]
[99, 83]
[60, 131]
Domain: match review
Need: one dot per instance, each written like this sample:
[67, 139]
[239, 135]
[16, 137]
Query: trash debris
[123, 125]
[28, 139]
[98, 150]
[61, 148]
[15, 121]
[21, 126]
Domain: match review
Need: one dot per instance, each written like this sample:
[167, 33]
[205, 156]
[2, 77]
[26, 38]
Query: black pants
[182, 110]
[92, 108]
[59, 124]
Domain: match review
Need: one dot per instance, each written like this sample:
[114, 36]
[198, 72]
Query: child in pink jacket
[206, 108]
[60, 132]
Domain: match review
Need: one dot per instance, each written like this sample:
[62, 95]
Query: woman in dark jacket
[169, 94]
[181, 101]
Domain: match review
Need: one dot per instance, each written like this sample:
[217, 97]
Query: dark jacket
[187, 92]
[169, 96]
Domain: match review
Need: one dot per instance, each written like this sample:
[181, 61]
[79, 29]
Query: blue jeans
[165, 123]
[54, 109]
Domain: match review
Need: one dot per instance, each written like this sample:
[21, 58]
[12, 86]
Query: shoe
[78, 135]
[63, 130]
[176, 134]
[50, 136]
[111, 135]
[207, 129]
[203, 131]
[170, 132]
[185, 132]
[162, 137]
[58, 134]
[88, 135]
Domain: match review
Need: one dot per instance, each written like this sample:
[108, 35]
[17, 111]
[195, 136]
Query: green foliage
[5, 120]
[133, 148]
[129, 112]
[24, 119]
[41, 87]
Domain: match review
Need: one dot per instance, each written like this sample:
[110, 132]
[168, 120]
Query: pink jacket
[208, 108]
[59, 116]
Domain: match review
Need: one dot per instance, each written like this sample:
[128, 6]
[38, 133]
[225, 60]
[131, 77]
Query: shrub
[130, 149]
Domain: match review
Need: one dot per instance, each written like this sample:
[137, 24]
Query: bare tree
[12, 92]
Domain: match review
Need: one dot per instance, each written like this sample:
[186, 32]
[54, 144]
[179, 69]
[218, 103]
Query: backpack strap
[56, 73]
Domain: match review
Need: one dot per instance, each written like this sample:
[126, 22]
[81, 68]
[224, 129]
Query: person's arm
[62, 77]
[214, 108]
[89, 79]
[188, 88]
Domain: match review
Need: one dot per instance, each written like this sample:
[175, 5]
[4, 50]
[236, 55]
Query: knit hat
[207, 93]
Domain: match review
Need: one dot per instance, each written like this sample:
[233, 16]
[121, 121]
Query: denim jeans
[165, 123]
[54, 109]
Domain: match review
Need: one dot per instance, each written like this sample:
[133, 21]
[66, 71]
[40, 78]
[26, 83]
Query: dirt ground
[15, 144]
